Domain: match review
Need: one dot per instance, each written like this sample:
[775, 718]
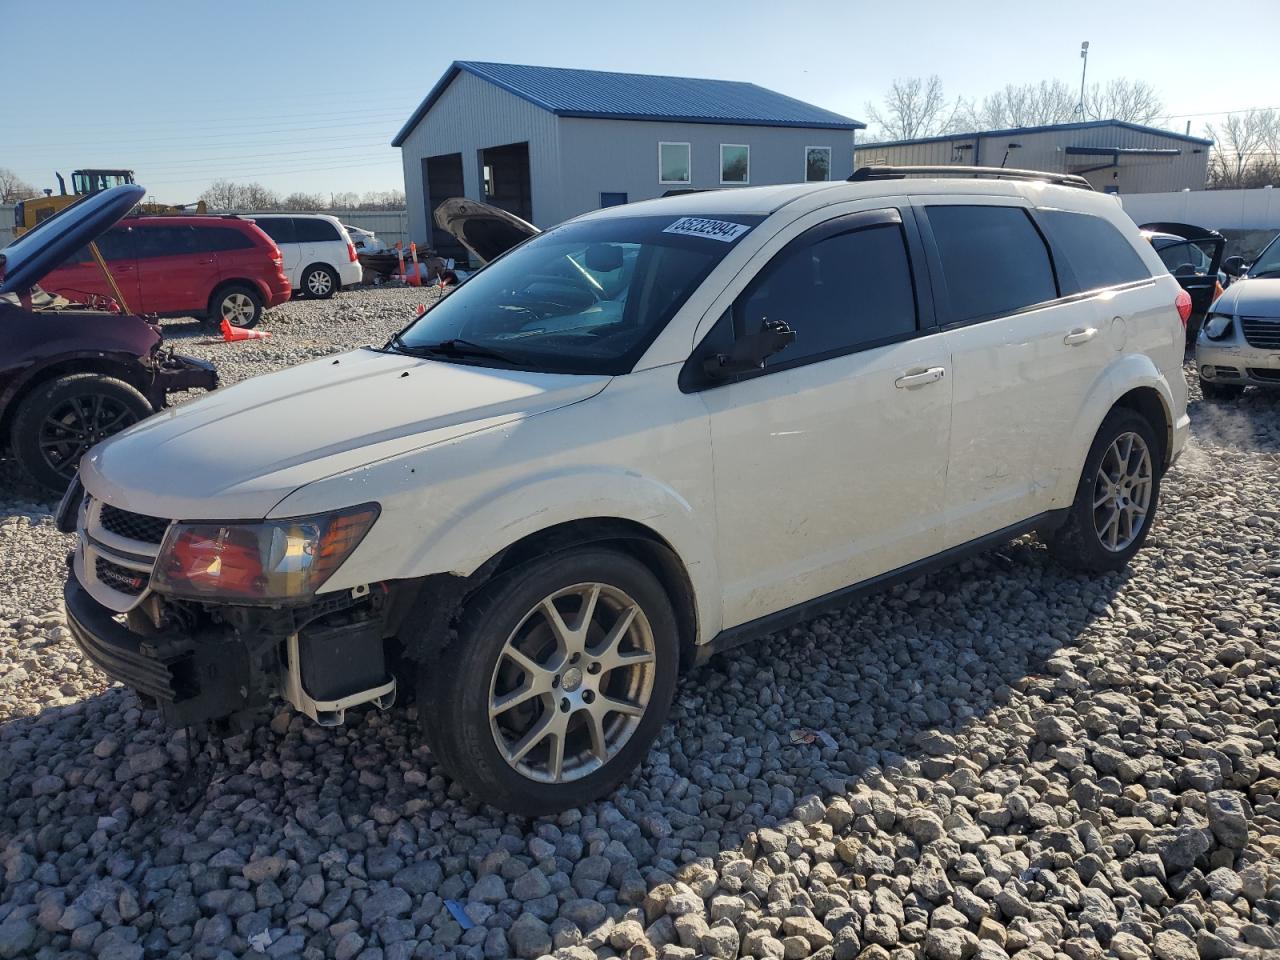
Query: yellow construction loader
[84, 183]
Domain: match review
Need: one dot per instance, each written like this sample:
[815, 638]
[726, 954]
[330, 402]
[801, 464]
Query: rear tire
[523, 712]
[239, 304]
[320, 282]
[61, 419]
[1116, 497]
[1220, 391]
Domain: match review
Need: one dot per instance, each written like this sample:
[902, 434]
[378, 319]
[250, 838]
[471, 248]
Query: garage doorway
[504, 176]
[442, 179]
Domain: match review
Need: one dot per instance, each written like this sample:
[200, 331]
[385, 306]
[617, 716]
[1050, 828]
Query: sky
[306, 96]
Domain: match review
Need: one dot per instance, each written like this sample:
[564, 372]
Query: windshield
[1268, 263]
[586, 297]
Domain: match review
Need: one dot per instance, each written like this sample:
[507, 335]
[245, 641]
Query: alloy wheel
[319, 283]
[572, 683]
[1122, 492]
[75, 425]
[237, 309]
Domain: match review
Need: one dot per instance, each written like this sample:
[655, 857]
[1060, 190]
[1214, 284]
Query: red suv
[210, 267]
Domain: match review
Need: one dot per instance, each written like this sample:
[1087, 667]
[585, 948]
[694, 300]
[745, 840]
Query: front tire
[1220, 391]
[239, 304]
[559, 680]
[1116, 497]
[320, 282]
[60, 420]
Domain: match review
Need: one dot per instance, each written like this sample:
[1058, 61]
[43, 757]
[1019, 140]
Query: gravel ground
[998, 760]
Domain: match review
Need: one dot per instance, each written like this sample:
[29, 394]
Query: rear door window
[279, 229]
[216, 239]
[174, 241]
[1096, 252]
[841, 287]
[313, 230]
[994, 261]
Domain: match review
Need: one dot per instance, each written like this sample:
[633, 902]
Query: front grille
[1262, 332]
[121, 579]
[1260, 374]
[133, 526]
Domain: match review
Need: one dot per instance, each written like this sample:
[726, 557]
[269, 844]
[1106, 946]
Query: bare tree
[258, 197]
[1135, 101]
[13, 188]
[1246, 149]
[913, 107]
[223, 195]
[302, 201]
[1023, 105]
[382, 200]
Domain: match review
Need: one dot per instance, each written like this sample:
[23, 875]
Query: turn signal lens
[1183, 302]
[1217, 325]
[271, 560]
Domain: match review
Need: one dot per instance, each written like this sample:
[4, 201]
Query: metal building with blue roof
[549, 143]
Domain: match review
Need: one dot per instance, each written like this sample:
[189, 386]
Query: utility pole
[1084, 66]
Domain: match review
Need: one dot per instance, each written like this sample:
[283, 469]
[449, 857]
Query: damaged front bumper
[324, 658]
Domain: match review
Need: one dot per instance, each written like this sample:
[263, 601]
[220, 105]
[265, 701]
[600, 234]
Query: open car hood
[44, 247]
[485, 230]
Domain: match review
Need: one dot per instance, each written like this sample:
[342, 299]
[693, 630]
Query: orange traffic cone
[231, 334]
[416, 279]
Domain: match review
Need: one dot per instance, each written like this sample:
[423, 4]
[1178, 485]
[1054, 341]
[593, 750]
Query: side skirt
[780, 620]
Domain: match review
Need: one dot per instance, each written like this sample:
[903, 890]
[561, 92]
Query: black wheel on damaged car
[560, 677]
[1220, 391]
[239, 304]
[1116, 497]
[319, 282]
[60, 420]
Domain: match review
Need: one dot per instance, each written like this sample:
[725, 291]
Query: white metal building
[1113, 155]
[548, 143]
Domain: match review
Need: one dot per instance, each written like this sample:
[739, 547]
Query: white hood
[237, 452]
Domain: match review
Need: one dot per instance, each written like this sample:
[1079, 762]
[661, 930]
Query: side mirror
[750, 352]
[1234, 266]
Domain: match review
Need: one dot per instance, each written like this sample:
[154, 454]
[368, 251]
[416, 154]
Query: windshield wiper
[454, 347]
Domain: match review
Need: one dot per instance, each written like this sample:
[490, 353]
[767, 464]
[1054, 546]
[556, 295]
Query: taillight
[276, 256]
[351, 251]
[1183, 302]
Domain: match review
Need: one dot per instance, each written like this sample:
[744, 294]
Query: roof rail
[956, 170]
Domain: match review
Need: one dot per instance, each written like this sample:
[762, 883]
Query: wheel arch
[255, 285]
[427, 618]
[119, 366]
[1152, 407]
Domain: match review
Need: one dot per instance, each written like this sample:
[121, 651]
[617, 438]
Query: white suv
[319, 257]
[635, 440]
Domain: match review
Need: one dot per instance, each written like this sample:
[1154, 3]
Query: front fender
[1127, 372]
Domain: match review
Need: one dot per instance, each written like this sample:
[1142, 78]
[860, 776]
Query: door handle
[918, 378]
[1082, 335]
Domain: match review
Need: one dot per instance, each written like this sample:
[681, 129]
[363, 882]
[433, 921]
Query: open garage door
[505, 174]
[442, 179]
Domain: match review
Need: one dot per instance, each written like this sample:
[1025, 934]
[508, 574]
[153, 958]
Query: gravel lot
[1012, 761]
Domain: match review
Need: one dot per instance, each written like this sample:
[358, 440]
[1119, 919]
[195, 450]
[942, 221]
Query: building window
[673, 162]
[735, 163]
[817, 164]
[612, 199]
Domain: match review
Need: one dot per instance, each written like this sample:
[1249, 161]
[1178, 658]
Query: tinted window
[279, 229]
[1097, 253]
[114, 245]
[1187, 258]
[993, 260]
[164, 241]
[839, 292]
[222, 238]
[313, 230]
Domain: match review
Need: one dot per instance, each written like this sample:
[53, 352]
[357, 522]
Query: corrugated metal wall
[621, 156]
[1046, 150]
[6, 223]
[470, 115]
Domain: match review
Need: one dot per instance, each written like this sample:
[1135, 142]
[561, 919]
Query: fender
[1125, 373]
[480, 528]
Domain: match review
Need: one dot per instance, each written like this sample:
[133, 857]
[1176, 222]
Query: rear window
[279, 229]
[1096, 253]
[173, 241]
[313, 230]
[222, 239]
[993, 260]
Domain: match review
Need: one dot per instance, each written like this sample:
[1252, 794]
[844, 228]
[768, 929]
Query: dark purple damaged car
[72, 374]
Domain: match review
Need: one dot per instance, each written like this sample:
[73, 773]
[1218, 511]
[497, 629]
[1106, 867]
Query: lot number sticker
[721, 230]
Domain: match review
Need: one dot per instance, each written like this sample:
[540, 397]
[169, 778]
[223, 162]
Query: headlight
[1217, 325]
[271, 560]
